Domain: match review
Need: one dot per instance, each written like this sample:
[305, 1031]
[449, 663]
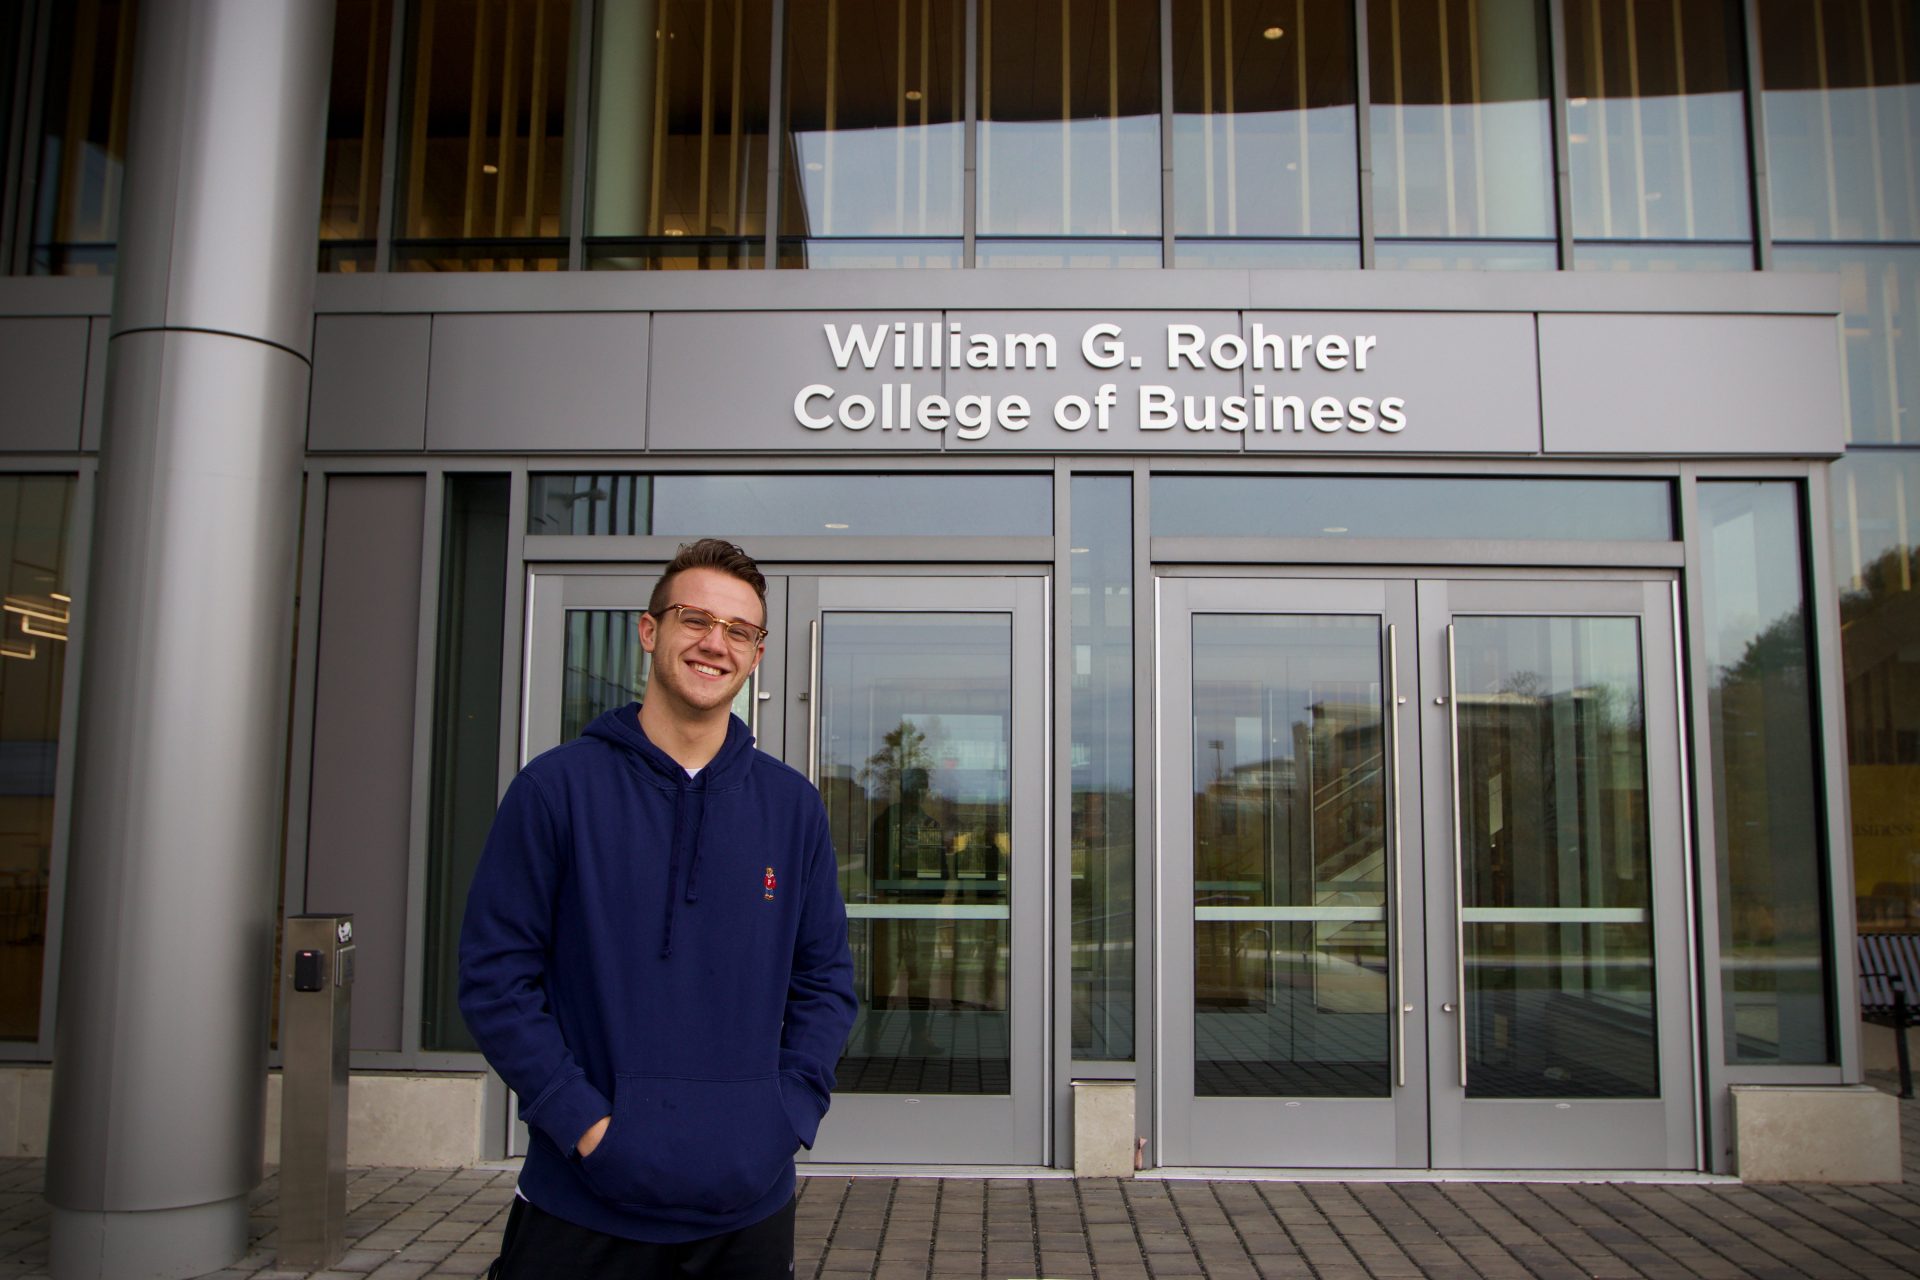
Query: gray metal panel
[1689, 384]
[362, 772]
[546, 381]
[43, 366]
[1145, 339]
[1469, 382]
[729, 380]
[222, 162]
[369, 383]
[94, 412]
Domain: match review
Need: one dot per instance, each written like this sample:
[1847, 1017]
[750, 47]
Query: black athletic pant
[539, 1246]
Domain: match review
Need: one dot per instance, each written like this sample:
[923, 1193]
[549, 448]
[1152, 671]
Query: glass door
[1422, 876]
[1291, 963]
[1557, 911]
[917, 708]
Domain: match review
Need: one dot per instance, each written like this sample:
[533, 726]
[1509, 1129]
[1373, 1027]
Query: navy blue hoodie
[672, 952]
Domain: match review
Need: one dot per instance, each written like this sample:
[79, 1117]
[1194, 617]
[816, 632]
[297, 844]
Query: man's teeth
[704, 669]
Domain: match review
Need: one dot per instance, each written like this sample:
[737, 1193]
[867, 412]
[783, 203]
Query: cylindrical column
[160, 1057]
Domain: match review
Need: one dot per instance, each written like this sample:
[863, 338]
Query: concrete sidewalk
[410, 1223]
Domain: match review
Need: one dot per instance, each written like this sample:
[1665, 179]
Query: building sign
[911, 350]
[1084, 381]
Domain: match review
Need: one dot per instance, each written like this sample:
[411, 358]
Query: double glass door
[915, 704]
[1423, 876]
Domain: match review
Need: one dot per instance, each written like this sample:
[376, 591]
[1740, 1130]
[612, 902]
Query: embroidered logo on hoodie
[771, 884]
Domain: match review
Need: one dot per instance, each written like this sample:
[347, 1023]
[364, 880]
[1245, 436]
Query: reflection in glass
[1069, 135]
[826, 505]
[356, 134]
[1876, 506]
[1460, 118]
[1843, 118]
[875, 112]
[1290, 868]
[604, 668]
[1656, 121]
[867, 255]
[83, 137]
[35, 514]
[1555, 858]
[1768, 826]
[1319, 506]
[1616, 255]
[915, 765]
[466, 735]
[1067, 253]
[1101, 853]
[1264, 132]
[1259, 255]
[484, 136]
[1880, 334]
[678, 178]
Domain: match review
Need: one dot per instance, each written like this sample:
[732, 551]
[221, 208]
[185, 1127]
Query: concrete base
[1878, 1052]
[159, 1244]
[1786, 1133]
[1103, 1137]
[435, 1121]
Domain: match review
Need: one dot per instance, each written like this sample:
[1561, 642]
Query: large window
[1657, 135]
[1769, 819]
[1265, 135]
[35, 512]
[1460, 127]
[678, 177]
[356, 134]
[82, 147]
[875, 125]
[1069, 160]
[484, 141]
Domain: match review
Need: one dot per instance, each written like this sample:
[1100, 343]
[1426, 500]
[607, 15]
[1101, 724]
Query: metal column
[160, 1075]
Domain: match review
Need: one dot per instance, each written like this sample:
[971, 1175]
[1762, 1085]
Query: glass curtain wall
[35, 515]
[678, 175]
[82, 148]
[1842, 100]
[1462, 152]
[1069, 136]
[1657, 135]
[1769, 823]
[875, 133]
[484, 136]
[1265, 135]
[356, 134]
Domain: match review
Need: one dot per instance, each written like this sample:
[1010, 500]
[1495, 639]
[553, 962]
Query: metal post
[1900, 1034]
[316, 1004]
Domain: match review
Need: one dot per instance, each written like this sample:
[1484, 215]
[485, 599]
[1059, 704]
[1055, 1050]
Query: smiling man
[654, 958]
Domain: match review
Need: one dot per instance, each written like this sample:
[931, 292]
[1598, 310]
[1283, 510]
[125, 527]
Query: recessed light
[835, 525]
[1274, 33]
[489, 168]
[1335, 528]
[675, 231]
[913, 95]
[1079, 551]
[814, 166]
[1576, 102]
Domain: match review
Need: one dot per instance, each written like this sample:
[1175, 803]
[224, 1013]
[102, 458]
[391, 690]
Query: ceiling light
[1274, 33]
[675, 231]
[1335, 528]
[913, 95]
[814, 166]
[489, 168]
[834, 525]
[1079, 551]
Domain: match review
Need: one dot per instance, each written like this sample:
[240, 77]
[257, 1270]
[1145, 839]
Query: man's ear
[649, 631]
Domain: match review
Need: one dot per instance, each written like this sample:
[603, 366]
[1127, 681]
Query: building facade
[1343, 563]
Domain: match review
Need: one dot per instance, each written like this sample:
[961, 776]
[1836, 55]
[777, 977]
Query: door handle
[813, 701]
[1459, 883]
[1393, 773]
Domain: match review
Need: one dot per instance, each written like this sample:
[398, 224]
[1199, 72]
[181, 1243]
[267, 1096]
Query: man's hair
[709, 553]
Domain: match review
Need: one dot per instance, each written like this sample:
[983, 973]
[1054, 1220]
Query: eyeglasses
[741, 635]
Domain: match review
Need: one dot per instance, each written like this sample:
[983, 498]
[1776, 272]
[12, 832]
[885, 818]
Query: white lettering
[1102, 348]
[858, 341]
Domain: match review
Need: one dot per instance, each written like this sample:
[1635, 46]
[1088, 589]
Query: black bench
[1889, 981]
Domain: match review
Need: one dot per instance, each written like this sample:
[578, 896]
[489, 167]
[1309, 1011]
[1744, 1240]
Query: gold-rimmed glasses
[741, 635]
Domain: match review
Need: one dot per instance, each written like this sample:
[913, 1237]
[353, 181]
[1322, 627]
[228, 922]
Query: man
[655, 960]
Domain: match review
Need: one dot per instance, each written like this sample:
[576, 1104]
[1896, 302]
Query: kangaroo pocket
[710, 1145]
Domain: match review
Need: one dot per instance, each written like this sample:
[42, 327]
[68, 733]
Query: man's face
[698, 674]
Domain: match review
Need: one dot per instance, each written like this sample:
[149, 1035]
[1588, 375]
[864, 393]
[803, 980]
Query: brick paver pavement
[409, 1224]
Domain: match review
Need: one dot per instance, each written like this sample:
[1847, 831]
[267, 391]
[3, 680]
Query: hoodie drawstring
[689, 812]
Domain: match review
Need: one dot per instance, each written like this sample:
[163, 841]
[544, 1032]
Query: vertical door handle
[1393, 815]
[1459, 883]
[813, 701]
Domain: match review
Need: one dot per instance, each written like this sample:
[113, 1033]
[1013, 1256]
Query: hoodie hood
[727, 771]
